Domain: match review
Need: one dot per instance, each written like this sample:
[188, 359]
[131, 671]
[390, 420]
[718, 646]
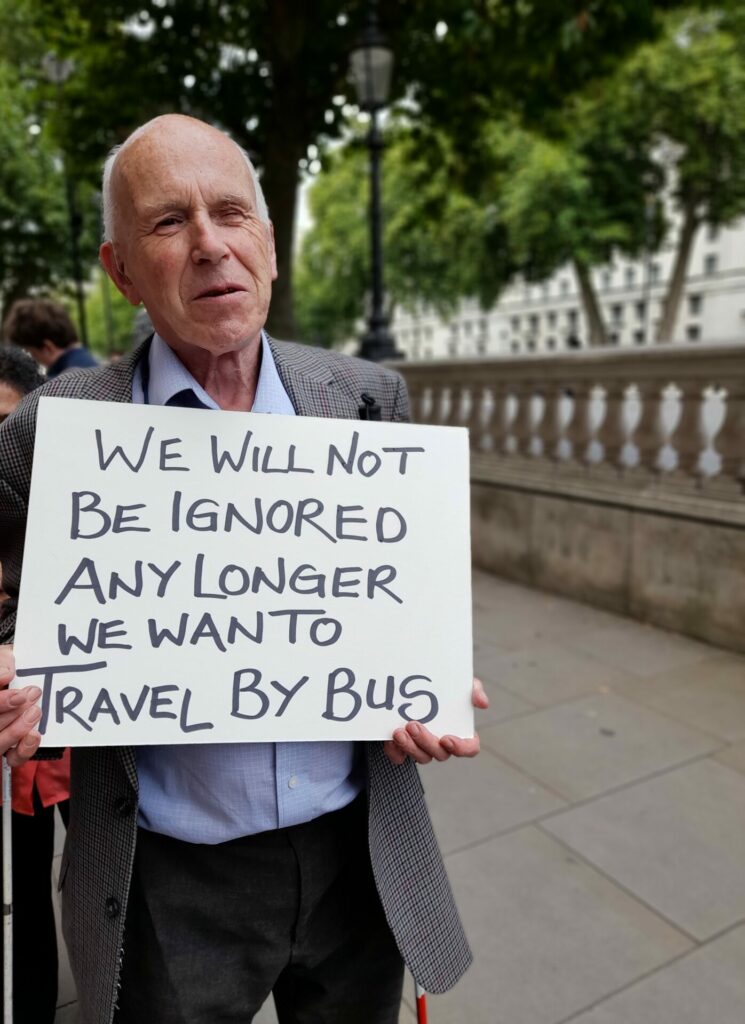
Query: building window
[630, 277]
[564, 286]
[641, 309]
[454, 330]
[654, 272]
[515, 322]
[467, 328]
[551, 343]
[545, 289]
[531, 344]
[481, 345]
[638, 337]
[452, 348]
[515, 346]
[605, 279]
[551, 319]
[616, 313]
[694, 305]
[710, 264]
[693, 332]
[614, 337]
[712, 233]
[533, 321]
[572, 318]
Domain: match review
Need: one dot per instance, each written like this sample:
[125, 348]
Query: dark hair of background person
[18, 370]
[31, 322]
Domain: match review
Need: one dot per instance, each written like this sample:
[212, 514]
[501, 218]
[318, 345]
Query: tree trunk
[596, 332]
[280, 184]
[677, 279]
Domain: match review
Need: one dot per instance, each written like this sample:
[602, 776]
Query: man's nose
[208, 245]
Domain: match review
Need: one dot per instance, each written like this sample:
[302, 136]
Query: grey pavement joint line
[581, 857]
[649, 974]
[539, 819]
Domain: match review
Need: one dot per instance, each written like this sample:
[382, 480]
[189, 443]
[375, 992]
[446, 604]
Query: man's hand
[418, 743]
[19, 714]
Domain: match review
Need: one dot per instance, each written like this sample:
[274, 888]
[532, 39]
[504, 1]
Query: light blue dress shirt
[214, 792]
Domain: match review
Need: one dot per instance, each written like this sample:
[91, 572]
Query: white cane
[421, 1004]
[7, 896]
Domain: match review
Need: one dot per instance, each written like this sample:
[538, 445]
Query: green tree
[275, 74]
[573, 200]
[439, 243]
[687, 90]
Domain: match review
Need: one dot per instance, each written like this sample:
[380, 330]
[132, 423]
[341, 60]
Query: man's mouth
[219, 290]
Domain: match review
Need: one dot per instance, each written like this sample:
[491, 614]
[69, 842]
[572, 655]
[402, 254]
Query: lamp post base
[378, 344]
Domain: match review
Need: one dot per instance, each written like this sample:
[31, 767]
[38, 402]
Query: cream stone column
[648, 435]
[688, 438]
[612, 432]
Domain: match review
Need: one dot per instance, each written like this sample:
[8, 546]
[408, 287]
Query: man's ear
[272, 250]
[117, 273]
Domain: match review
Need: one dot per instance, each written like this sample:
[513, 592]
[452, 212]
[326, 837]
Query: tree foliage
[439, 243]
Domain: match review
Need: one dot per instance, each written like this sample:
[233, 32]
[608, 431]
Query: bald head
[154, 140]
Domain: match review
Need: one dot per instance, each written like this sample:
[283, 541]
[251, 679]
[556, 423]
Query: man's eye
[168, 222]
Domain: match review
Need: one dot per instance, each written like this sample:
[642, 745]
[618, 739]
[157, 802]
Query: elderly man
[197, 879]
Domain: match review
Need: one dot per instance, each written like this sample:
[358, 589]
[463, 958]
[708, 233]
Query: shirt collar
[168, 376]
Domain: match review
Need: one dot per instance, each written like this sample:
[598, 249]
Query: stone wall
[615, 478]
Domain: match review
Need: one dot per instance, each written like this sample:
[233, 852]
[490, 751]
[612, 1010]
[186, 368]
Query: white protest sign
[194, 576]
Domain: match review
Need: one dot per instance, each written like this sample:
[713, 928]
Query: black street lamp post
[57, 71]
[371, 63]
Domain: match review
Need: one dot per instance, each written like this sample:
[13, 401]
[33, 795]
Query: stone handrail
[659, 429]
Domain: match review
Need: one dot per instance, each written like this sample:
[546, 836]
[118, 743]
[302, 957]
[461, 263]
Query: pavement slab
[504, 797]
[550, 934]
[585, 747]
[677, 842]
[705, 986]
[548, 673]
[708, 694]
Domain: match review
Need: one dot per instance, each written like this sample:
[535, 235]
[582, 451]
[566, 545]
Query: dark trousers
[212, 930]
[34, 936]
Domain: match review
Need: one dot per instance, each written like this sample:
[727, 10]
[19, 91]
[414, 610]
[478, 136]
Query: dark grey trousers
[212, 930]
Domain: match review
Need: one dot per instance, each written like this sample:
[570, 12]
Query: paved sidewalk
[597, 845]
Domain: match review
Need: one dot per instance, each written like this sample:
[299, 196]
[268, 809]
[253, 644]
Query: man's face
[188, 241]
[9, 399]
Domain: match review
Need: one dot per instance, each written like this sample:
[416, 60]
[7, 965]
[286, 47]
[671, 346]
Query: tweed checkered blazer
[99, 852]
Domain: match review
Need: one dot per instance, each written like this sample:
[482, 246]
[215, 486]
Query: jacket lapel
[310, 382]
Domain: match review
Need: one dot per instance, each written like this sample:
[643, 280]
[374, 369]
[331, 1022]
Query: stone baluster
[550, 429]
[440, 401]
[521, 428]
[497, 429]
[417, 392]
[648, 435]
[612, 431]
[688, 438]
[476, 420]
[730, 441]
[578, 431]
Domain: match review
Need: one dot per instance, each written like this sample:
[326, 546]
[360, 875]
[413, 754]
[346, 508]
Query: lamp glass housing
[371, 68]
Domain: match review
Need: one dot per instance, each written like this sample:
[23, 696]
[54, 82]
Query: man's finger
[479, 696]
[426, 741]
[24, 749]
[393, 752]
[459, 747]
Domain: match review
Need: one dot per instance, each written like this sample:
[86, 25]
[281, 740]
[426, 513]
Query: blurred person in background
[38, 786]
[44, 329]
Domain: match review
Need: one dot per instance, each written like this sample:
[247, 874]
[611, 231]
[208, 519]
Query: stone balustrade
[615, 476]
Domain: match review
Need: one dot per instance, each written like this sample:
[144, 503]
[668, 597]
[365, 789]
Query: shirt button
[293, 781]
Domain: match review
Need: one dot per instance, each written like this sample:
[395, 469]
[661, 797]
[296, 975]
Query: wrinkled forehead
[174, 163]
